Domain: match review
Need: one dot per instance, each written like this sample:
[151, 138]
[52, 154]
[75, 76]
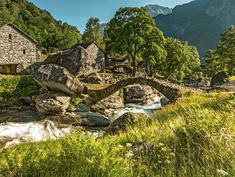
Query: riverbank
[194, 137]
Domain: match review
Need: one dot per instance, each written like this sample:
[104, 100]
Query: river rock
[139, 94]
[57, 78]
[52, 103]
[125, 120]
[93, 78]
[93, 119]
[66, 119]
[82, 108]
[108, 105]
[164, 101]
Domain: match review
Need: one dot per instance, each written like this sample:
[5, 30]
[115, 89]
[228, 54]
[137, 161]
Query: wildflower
[222, 172]
[128, 144]
[161, 144]
[167, 161]
[129, 154]
[120, 146]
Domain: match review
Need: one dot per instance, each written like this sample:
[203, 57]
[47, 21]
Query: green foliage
[39, 24]
[74, 103]
[182, 61]
[14, 87]
[223, 57]
[93, 32]
[194, 137]
[132, 32]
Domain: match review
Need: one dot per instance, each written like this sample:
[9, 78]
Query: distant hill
[155, 10]
[199, 22]
[39, 24]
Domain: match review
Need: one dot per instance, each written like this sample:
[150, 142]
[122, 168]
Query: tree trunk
[134, 67]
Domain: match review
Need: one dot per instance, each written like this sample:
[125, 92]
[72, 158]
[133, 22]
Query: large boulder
[108, 105]
[139, 94]
[56, 78]
[93, 119]
[52, 103]
[127, 119]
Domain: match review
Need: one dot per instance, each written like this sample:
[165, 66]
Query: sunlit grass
[232, 78]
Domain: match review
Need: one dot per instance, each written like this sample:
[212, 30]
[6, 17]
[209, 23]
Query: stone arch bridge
[169, 90]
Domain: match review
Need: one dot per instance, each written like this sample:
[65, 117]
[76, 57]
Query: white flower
[222, 172]
[128, 144]
[129, 154]
[120, 146]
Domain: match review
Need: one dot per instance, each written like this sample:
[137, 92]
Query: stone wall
[15, 47]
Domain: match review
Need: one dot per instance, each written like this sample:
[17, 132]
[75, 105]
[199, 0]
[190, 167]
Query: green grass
[232, 78]
[14, 87]
[193, 138]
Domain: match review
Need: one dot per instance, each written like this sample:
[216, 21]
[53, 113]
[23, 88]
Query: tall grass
[195, 137]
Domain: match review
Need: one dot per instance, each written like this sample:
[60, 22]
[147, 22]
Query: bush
[14, 87]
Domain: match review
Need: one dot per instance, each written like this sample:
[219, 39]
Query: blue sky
[77, 12]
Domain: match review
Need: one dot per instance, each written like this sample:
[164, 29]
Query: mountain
[39, 24]
[199, 22]
[155, 10]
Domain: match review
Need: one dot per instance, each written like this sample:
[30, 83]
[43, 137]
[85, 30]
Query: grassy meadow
[193, 138]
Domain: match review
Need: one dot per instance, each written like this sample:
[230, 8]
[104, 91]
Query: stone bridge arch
[169, 90]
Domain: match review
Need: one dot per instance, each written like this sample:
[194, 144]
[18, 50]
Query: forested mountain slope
[199, 22]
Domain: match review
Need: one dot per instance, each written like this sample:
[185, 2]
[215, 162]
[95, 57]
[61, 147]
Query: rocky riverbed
[30, 124]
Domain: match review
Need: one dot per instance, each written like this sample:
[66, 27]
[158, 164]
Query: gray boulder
[82, 108]
[57, 78]
[140, 94]
[93, 119]
[52, 103]
[127, 119]
[108, 105]
[164, 101]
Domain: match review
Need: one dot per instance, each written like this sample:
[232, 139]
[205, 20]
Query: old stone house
[16, 49]
[80, 60]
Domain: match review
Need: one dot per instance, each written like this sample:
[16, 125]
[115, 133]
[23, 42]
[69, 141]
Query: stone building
[16, 49]
[80, 60]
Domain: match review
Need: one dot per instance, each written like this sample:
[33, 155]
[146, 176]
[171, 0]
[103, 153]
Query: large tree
[133, 32]
[223, 57]
[211, 65]
[182, 61]
[225, 50]
[93, 32]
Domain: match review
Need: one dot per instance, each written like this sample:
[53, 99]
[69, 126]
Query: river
[12, 133]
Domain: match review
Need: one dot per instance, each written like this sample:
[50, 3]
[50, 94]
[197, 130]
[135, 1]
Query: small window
[24, 52]
[10, 36]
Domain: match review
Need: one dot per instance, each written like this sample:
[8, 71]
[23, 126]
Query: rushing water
[15, 133]
[135, 108]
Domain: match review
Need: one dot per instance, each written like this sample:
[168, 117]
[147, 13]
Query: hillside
[39, 24]
[155, 10]
[199, 22]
